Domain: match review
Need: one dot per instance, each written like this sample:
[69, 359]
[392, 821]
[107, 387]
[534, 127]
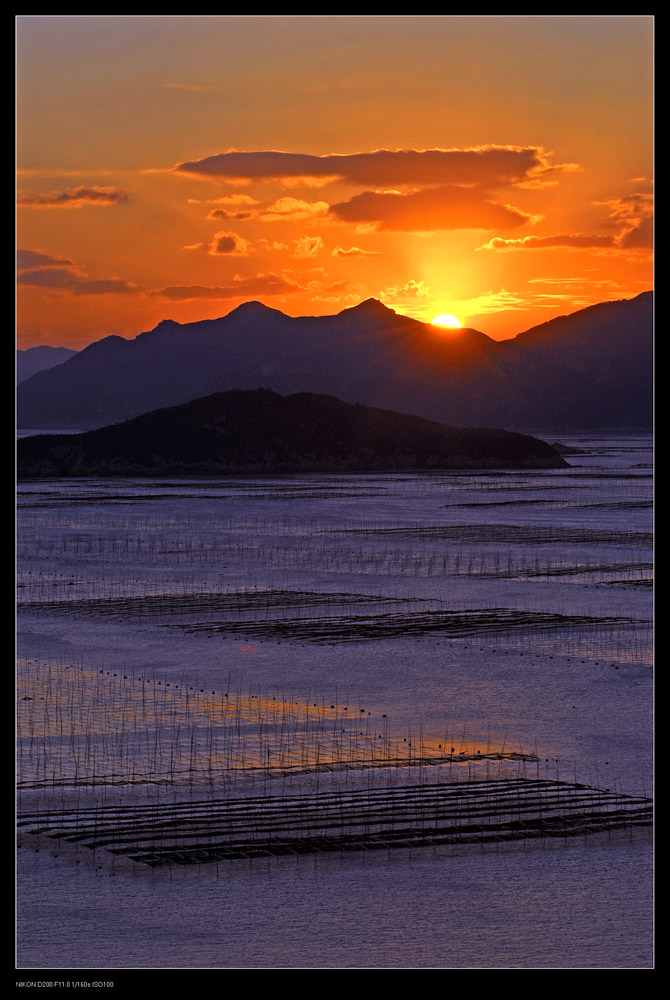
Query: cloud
[422, 190]
[26, 259]
[273, 245]
[222, 213]
[229, 244]
[640, 237]
[330, 286]
[53, 272]
[486, 166]
[66, 279]
[351, 298]
[305, 181]
[234, 199]
[260, 284]
[76, 197]
[307, 246]
[493, 302]
[430, 209]
[631, 209]
[410, 290]
[355, 252]
[506, 301]
[289, 209]
[633, 213]
[577, 282]
[574, 241]
[228, 199]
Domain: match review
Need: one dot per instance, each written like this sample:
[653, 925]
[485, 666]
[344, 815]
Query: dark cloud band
[485, 165]
[64, 279]
[261, 284]
[76, 197]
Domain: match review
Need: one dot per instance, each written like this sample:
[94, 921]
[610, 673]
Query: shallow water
[572, 906]
[499, 610]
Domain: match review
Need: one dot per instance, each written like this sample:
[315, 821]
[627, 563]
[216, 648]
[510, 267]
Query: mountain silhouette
[37, 359]
[592, 369]
[263, 432]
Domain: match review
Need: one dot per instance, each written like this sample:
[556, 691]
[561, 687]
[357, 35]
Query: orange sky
[495, 168]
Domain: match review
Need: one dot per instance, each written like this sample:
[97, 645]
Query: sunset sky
[494, 168]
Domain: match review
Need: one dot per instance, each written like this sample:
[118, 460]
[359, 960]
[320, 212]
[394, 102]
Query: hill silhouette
[592, 369]
[263, 432]
[37, 359]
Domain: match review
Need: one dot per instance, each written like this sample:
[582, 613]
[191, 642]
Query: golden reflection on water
[78, 726]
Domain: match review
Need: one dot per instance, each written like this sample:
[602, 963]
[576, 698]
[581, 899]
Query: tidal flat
[363, 721]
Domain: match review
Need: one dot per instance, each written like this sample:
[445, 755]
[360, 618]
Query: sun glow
[446, 319]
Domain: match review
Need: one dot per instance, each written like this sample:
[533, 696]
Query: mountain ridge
[40, 358]
[590, 369]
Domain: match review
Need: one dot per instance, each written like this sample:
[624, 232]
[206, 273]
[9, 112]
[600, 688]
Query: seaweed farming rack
[168, 774]
[201, 831]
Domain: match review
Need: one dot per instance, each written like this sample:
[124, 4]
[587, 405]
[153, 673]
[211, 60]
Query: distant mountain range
[263, 432]
[589, 370]
[37, 359]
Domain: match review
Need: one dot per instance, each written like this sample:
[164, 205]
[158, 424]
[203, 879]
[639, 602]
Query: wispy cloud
[60, 274]
[575, 241]
[229, 199]
[638, 237]
[307, 246]
[260, 284]
[634, 213]
[578, 282]
[355, 252]
[65, 279]
[76, 197]
[238, 206]
[492, 302]
[289, 209]
[26, 259]
[630, 209]
[410, 290]
[504, 300]
[223, 213]
[273, 244]
[631, 215]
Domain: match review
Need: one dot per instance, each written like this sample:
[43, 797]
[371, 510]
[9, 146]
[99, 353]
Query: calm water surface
[549, 575]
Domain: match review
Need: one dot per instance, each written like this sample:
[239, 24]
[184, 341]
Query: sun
[446, 319]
